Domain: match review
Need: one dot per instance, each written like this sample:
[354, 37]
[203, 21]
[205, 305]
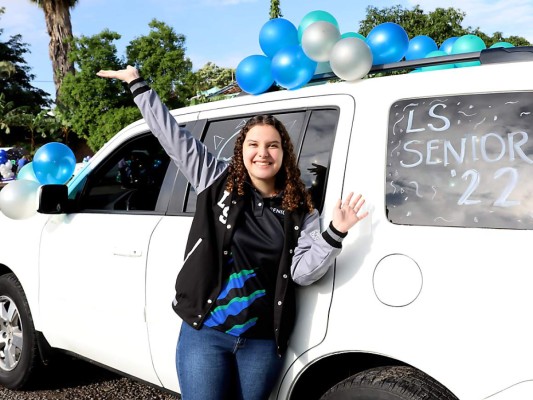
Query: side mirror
[53, 199]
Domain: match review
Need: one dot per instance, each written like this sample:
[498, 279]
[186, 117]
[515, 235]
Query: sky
[227, 31]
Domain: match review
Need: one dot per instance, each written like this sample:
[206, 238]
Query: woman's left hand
[346, 213]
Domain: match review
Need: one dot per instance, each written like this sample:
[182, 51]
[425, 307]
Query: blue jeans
[214, 365]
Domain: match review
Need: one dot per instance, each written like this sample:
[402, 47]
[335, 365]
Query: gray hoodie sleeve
[315, 252]
[193, 159]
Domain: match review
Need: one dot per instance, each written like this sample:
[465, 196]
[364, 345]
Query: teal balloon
[437, 53]
[447, 45]
[468, 44]
[253, 74]
[54, 163]
[419, 47]
[27, 173]
[352, 34]
[276, 34]
[389, 43]
[501, 44]
[315, 16]
[291, 68]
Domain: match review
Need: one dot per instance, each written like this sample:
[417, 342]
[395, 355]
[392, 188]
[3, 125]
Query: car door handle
[126, 252]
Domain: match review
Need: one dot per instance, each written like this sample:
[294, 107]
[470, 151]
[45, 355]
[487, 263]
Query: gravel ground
[79, 380]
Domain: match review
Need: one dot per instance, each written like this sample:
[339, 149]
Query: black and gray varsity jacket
[307, 253]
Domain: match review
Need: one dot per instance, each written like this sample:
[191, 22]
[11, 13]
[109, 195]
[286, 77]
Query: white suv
[431, 296]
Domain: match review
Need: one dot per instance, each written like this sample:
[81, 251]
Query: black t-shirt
[245, 305]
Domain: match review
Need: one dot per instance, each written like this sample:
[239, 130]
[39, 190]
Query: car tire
[18, 341]
[388, 383]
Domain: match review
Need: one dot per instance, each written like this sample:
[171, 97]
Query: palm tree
[57, 17]
[275, 10]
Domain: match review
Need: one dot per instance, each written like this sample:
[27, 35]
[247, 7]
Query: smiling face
[262, 155]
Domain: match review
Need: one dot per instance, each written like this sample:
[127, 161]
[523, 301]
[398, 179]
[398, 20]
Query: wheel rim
[10, 334]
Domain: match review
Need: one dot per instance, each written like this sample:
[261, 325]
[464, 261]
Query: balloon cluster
[293, 55]
[6, 166]
[6, 170]
[53, 163]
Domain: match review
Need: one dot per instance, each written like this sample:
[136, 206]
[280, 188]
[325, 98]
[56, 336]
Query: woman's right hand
[127, 75]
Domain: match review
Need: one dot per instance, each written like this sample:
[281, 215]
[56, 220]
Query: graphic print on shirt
[218, 317]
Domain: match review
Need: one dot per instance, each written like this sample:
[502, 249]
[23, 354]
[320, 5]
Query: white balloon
[318, 39]
[351, 59]
[18, 199]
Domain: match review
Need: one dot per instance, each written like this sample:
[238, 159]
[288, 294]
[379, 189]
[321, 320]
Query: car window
[129, 180]
[315, 154]
[314, 147]
[461, 161]
[221, 135]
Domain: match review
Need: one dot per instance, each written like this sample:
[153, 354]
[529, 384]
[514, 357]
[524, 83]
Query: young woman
[254, 234]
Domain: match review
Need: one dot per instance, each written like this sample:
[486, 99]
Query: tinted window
[220, 139]
[315, 155]
[130, 180]
[461, 161]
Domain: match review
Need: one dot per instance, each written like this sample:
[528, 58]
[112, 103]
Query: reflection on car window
[130, 180]
[461, 161]
[315, 155]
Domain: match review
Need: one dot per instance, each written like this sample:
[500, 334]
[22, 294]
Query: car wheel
[18, 343]
[388, 383]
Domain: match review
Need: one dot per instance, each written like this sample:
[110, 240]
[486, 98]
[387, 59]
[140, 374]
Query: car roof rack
[486, 56]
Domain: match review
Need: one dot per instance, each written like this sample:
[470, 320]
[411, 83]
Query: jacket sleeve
[316, 251]
[193, 159]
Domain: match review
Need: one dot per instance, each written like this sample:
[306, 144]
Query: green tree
[59, 27]
[17, 95]
[95, 108]
[39, 127]
[275, 10]
[9, 115]
[211, 75]
[440, 24]
[160, 58]
[15, 81]
[6, 69]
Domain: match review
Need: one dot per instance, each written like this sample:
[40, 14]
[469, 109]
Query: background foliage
[91, 110]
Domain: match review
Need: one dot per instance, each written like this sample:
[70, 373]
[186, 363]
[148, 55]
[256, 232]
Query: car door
[93, 260]
[311, 125]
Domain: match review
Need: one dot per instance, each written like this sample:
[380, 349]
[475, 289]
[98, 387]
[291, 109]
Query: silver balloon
[18, 199]
[318, 39]
[351, 59]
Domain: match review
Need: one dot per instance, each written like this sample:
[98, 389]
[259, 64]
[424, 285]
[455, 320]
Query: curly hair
[288, 178]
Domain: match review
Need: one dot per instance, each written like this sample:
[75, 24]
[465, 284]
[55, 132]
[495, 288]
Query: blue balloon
[253, 74]
[54, 163]
[291, 68]
[388, 42]
[312, 17]
[276, 34]
[419, 47]
[447, 45]
[3, 156]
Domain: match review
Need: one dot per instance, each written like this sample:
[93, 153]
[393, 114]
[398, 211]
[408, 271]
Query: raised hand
[126, 75]
[346, 213]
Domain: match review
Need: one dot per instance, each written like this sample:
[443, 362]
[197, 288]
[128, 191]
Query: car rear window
[461, 161]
